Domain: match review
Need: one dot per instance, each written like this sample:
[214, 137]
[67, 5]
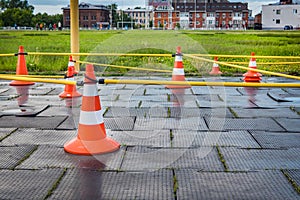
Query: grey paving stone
[2, 90]
[86, 184]
[200, 112]
[33, 136]
[137, 112]
[251, 185]
[120, 103]
[284, 96]
[277, 139]
[264, 101]
[151, 138]
[12, 155]
[60, 111]
[140, 158]
[55, 157]
[68, 124]
[4, 132]
[272, 112]
[27, 184]
[291, 125]
[155, 91]
[57, 91]
[249, 91]
[156, 98]
[119, 124]
[193, 123]
[187, 139]
[243, 124]
[261, 159]
[31, 122]
[23, 111]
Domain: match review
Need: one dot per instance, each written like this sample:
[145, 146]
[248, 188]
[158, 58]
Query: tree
[113, 8]
[16, 12]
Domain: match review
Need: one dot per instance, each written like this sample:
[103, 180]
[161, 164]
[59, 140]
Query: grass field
[263, 43]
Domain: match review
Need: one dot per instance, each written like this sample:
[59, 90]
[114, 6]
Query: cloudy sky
[54, 6]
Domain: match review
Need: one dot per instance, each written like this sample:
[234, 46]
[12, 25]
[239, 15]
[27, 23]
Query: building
[276, 16]
[199, 14]
[90, 16]
[140, 17]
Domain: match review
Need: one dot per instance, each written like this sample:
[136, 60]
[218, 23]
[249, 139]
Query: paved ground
[197, 143]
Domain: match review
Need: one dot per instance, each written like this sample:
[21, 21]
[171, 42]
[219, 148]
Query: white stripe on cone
[91, 118]
[90, 90]
[178, 71]
[252, 63]
[178, 58]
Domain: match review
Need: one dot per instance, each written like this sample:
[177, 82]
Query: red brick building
[90, 16]
[197, 15]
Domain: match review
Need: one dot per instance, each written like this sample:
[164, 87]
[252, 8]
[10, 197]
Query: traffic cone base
[215, 69]
[20, 83]
[81, 147]
[252, 76]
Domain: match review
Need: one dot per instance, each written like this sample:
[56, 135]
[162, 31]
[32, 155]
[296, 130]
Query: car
[288, 27]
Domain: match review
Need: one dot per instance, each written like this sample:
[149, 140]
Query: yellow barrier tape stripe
[243, 56]
[194, 83]
[41, 80]
[125, 67]
[245, 68]
[98, 54]
[8, 54]
[35, 76]
[267, 63]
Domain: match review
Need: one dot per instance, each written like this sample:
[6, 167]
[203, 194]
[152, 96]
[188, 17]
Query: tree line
[20, 13]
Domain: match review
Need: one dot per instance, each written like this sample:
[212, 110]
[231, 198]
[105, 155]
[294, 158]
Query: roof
[88, 6]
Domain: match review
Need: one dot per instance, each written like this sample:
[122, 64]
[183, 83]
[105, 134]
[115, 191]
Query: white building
[140, 17]
[276, 16]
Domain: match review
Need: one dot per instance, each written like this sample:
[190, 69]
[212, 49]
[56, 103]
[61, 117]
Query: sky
[54, 6]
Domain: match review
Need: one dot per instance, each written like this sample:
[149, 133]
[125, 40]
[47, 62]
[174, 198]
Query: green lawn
[266, 43]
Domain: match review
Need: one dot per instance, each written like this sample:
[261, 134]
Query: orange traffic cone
[70, 90]
[178, 71]
[91, 138]
[215, 69]
[252, 76]
[21, 68]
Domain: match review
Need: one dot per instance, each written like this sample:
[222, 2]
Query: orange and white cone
[21, 69]
[252, 76]
[215, 69]
[70, 90]
[91, 136]
[178, 71]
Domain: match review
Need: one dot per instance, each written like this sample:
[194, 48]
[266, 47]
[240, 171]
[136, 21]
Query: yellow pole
[74, 16]
[193, 83]
[41, 80]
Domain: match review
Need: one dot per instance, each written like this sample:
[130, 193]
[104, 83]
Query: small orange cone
[21, 68]
[215, 69]
[178, 71]
[70, 90]
[252, 76]
[91, 136]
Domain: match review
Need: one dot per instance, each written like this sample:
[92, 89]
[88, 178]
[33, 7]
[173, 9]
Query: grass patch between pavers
[292, 182]
[1, 139]
[222, 159]
[175, 184]
[55, 185]
[233, 112]
[25, 157]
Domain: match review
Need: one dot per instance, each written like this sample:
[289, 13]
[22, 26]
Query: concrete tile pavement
[199, 143]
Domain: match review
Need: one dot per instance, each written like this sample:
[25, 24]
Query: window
[277, 21]
[94, 17]
[295, 11]
[85, 17]
[278, 12]
[198, 15]
[158, 15]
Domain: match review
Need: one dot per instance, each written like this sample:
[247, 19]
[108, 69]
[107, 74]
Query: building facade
[198, 14]
[90, 16]
[140, 17]
[277, 16]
